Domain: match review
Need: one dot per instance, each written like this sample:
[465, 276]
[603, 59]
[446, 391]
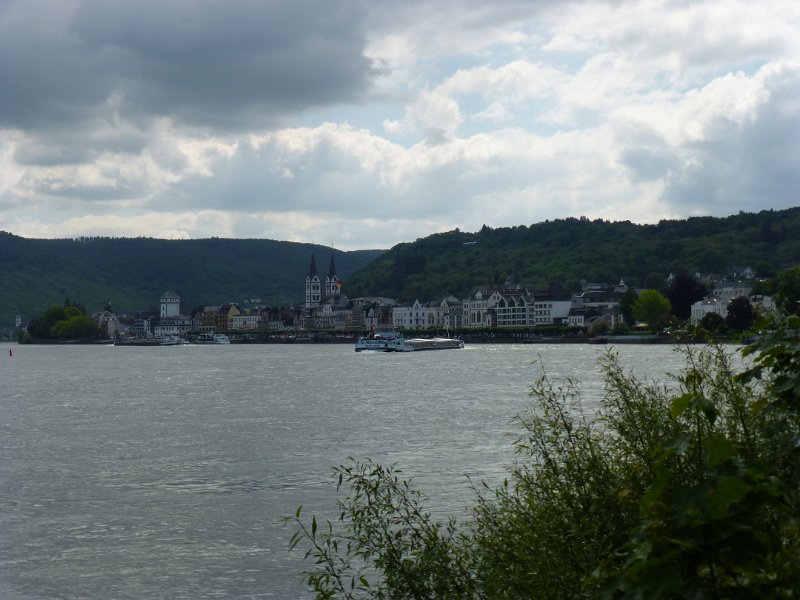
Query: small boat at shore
[390, 342]
[212, 338]
[172, 340]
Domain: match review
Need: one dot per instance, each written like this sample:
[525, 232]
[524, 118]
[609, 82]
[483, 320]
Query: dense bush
[69, 322]
[685, 489]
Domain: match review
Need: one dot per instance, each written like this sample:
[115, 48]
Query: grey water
[167, 472]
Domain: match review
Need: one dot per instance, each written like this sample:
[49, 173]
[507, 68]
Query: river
[166, 472]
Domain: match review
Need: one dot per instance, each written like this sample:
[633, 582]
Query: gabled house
[452, 311]
[475, 309]
[411, 317]
[371, 313]
[218, 318]
[512, 307]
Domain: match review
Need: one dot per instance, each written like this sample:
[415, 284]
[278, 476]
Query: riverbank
[468, 338]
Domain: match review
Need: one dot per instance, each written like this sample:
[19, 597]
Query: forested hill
[565, 251]
[132, 273]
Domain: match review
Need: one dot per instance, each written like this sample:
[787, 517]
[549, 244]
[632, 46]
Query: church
[325, 307]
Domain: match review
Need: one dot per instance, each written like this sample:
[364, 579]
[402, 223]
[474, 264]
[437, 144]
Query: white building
[723, 293]
[313, 285]
[172, 326]
[109, 323]
[512, 308]
[452, 311]
[720, 306]
[763, 303]
[515, 307]
[245, 321]
[170, 305]
[708, 305]
[325, 307]
[726, 291]
[475, 311]
[411, 317]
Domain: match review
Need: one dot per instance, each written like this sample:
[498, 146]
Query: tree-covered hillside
[132, 273]
[564, 251]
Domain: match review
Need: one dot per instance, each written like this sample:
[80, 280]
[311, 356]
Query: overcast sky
[364, 124]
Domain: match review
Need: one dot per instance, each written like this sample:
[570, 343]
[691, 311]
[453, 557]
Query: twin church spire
[315, 292]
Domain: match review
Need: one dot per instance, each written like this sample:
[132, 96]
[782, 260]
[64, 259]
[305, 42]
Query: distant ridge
[132, 273]
[558, 254]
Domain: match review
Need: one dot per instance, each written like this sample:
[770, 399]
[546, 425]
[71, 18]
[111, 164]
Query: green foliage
[651, 308]
[41, 327]
[678, 490]
[564, 251]
[741, 314]
[712, 322]
[720, 518]
[61, 323]
[777, 356]
[572, 491]
[621, 329]
[683, 291]
[389, 532]
[76, 327]
[131, 274]
[626, 305]
[787, 286]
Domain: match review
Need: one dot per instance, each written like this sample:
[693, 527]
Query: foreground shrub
[683, 489]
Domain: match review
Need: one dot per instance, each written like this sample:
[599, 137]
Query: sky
[363, 124]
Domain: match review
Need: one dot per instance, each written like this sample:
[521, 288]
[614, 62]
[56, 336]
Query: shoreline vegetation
[685, 489]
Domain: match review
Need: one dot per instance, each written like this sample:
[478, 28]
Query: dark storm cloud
[201, 62]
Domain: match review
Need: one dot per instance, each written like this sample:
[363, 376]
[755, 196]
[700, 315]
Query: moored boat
[212, 338]
[172, 340]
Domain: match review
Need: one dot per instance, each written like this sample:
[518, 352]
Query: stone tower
[170, 305]
[333, 285]
[313, 284]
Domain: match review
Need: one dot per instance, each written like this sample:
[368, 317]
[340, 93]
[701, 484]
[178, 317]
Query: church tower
[313, 293]
[333, 285]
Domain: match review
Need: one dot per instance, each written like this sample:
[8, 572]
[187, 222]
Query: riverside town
[507, 311]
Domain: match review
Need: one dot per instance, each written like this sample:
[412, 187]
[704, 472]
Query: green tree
[788, 290]
[765, 269]
[683, 291]
[626, 305]
[712, 322]
[688, 493]
[59, 322]
[730, 530]
[40, 327]
[651, 308]
[78, 327]
[740, 314]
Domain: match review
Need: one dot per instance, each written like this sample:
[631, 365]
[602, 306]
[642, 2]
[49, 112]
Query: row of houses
[507, 305]
[717, 301]
[170, 321]
[514, 306]
[326, 307]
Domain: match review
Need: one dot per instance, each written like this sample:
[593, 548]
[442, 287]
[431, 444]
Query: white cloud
[502, 113]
